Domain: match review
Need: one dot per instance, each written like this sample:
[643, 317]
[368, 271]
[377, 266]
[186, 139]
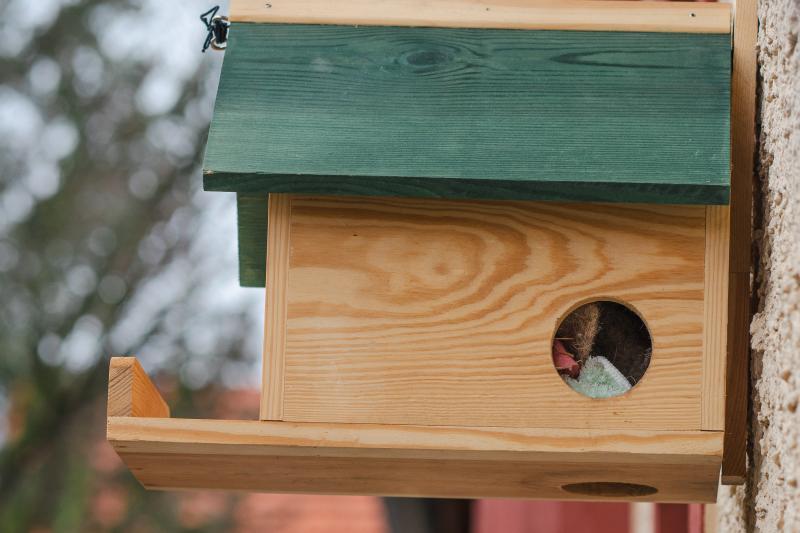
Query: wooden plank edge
[715, 319]
[470, 189]
[471, 490]
[420, 478]
[306, 439]
[130, 391]
[684, 17]
[743, 149]
[275, 302]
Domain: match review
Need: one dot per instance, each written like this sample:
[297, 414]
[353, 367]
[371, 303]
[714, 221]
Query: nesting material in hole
[602, 349]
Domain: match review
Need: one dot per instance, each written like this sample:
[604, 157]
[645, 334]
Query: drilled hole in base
[609, 489]
[602, 349]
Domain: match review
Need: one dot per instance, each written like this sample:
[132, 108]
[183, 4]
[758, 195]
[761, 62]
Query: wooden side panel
[130, 391]
[501, 14]
[278, 250]
[715, 322]
[743, 110]
[412, 461]
[251, 216]
[473, 113]
[442, 312]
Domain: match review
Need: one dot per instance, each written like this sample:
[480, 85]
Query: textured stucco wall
[771, 499]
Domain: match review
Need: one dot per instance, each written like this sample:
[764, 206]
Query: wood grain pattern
[501, 14]
[427, 461]
[715, 321]
[412, 461]
[278, 250]
[743, 111]
[442, 312]
[130, 391]
[467, 113]
[422, 442]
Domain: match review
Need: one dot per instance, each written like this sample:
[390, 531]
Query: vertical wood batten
[743, 109]
[715, 321]
[278, 249]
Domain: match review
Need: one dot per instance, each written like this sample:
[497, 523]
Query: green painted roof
[469, 113]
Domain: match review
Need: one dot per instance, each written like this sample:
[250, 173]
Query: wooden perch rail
[165, 453]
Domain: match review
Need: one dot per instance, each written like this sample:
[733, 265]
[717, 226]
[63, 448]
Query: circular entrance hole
[609, 489]
[602, 349]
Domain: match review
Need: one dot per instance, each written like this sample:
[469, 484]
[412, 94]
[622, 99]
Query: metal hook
[217, 27]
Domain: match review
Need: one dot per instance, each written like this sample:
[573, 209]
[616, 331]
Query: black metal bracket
[217, 26]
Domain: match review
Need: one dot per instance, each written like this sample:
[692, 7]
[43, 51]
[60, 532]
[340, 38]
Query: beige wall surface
[770, 501]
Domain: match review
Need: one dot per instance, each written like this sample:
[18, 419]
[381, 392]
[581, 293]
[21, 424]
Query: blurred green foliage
[108, 246]
[104, 109]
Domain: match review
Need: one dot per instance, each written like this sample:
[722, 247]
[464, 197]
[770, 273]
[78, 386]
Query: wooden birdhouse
[494, 238]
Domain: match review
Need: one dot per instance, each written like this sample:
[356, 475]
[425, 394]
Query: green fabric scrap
[599, 379]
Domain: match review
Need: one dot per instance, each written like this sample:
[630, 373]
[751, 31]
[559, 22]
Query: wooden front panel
[443, 312]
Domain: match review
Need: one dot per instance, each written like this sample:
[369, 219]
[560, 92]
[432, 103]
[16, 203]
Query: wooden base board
[165, 453]
[413, 461]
